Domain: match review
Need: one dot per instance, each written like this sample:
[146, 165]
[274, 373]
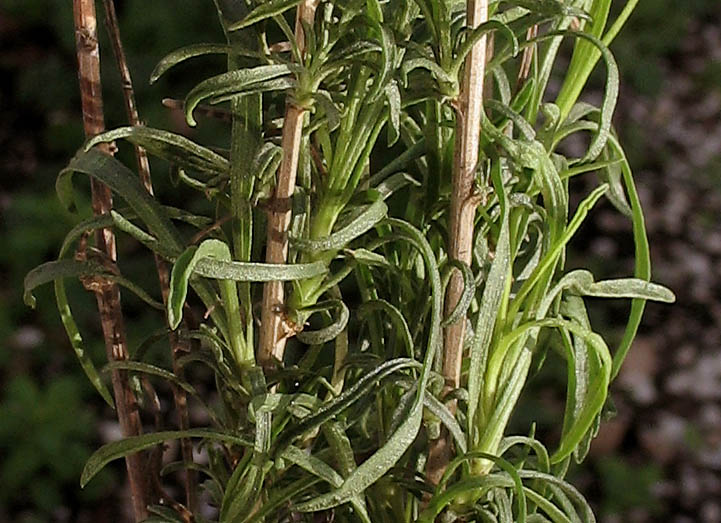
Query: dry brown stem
[273, 330]
[527, 59]
[108, 295]
[178, 344]
[463, 206]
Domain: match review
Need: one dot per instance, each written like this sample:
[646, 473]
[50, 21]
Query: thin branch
[179, 345]
[272, 332]
[527, 59]
[462, 212]
[108, 295]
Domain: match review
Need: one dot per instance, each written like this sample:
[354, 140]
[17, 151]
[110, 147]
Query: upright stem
[272, 333]
[108, 295]
[462, 212]
[178, 344]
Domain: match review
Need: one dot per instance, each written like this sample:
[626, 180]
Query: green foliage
[346, 421]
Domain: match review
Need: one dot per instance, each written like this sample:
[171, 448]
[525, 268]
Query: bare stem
[462, 212]
[108, 295]
[527, 59]
[272, 333]
[179, 345]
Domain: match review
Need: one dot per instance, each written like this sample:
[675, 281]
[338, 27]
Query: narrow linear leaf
[127, 446]
[153, 370]
[191, 51]
[267, 9]
[59, 269]
[628, 288]
[490, 303]
[549, 8]
[257, 272]
[232, 83]
[469, 292]
[339, 239]
[330, 332]
[183, 269]
[76, 340]
[123, 182]
[168, 146]
[396, 445]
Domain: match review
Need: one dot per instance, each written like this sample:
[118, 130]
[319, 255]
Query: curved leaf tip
[183, 269]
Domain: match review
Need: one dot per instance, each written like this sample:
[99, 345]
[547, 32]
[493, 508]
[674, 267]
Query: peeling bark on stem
[179, 345]
[462, 212]
[273, 330]
[108, 295]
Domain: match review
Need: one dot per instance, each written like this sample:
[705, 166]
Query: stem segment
[108, 294]
[272, 334]
[179, 345]
[462, 212]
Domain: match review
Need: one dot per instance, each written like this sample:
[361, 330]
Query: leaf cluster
[345, 422]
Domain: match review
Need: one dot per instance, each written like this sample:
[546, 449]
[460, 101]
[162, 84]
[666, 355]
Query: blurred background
[659, 459]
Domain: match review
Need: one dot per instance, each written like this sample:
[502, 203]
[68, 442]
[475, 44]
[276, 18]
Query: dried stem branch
[178, 344]
[527, 59]
[462, 212]
[108, 295]
[272, 333]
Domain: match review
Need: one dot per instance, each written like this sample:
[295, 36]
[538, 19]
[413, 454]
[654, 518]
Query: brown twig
[527, 59]
[108, 295]
[179, 345]
[463, 205]
[272, 332]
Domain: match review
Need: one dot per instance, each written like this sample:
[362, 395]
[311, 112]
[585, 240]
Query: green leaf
[626, 288]
[594, 399]
[361, 388]
[266, 9]
[398, 442]
[279, 498]
[469, 293]
[549, 8]
[441, 76]
[122, 181]
[643, 258]
[241, 81]
[330, 332]
[55, 270]
[166, 514]
[475, 486]
[184, 53]
[168, 146]
[375, 13]
[549, 260]
[399, 322]
[569, 490]
[325, 102]
[151, 242]
[490, 303]
[442, 412]
[394, 183]
[339, 239]
[153, 370]
[127, 446]
[393, 97]
[475, 35]
[183, 269]
[567, 98]
[76, 340]
[258, 272]
[612, 174]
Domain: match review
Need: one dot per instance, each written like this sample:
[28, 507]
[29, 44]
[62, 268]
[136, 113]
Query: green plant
[410, 201]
